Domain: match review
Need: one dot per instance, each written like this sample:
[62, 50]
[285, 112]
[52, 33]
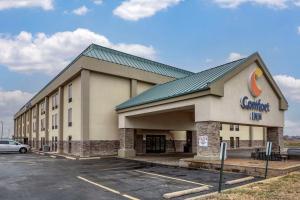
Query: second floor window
[70, 93]
[70, 117]
[43, 125]
[231, 127]
[237, 128]
[54, 101]
[43, 111]
[33, 126]
[54, 121]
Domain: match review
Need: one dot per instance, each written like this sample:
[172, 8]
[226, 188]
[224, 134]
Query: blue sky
[39, 38]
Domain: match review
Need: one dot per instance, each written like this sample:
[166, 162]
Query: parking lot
[36, 177]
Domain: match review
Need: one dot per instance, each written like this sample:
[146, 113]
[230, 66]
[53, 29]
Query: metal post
[267, 163]
[222, 166]
[268, 153]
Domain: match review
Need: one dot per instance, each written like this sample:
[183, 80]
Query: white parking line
[108, 189]
[169, 177]
[239, 180]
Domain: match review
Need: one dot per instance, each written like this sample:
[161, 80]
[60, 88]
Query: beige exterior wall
[243, 133]
[258, 133]
[228, 109]
[75, 129]
[106, 92]
[142, 87]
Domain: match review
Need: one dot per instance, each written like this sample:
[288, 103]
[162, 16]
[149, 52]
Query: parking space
[32, 176]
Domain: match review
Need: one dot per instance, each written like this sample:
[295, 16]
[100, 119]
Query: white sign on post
[203, 141]
[223, 149]
[269, 148]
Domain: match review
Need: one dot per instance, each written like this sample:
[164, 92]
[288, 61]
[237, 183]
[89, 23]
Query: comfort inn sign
[256, 106]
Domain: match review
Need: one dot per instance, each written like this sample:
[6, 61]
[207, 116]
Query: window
[43, 125]
[43, 108]
[221, 127]
[70, 117]
[231, 127]
[55, 121]
[34, 112]
[237, 142]
[12, 143]
[4, 142]
[231, 142]
[237, 128]
[70, 93]
[55, 101]
[33, 126]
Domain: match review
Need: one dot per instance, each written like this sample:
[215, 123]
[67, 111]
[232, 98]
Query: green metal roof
[114, 56]
[190, 84]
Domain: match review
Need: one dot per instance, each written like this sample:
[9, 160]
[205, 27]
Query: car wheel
[23, 150]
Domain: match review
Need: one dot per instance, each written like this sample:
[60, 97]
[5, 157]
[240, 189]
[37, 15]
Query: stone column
[194, 141]
[210, 130]
[61, 120]
[264, 136]
[250, 136]
[85, 113]
[126, 143]
[275, 135]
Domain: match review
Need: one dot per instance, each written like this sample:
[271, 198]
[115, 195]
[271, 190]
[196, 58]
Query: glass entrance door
[155, 144]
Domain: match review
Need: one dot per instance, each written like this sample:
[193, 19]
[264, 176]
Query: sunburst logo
[253, 86]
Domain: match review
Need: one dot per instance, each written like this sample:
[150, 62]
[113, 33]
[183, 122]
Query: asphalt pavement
[38, 177]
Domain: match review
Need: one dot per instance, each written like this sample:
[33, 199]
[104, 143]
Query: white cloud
[299, 30]
[137, 9]
[297, 2]
[292, 128]
[98, 2]
[81, 11]
[10, 102]
[234, 56]
[279, 4]
[50, 53]
[290, 86]
[9, 4]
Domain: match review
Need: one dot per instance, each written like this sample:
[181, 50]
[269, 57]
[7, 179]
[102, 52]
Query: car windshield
[12, 142]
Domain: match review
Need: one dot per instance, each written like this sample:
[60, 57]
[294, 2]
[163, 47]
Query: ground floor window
[155, 144]
[231, 142]
[70, 144]
[237, 142]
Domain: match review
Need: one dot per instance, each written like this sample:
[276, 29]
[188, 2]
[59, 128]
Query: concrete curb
[239, 187]
[185, 192]
[236, 181]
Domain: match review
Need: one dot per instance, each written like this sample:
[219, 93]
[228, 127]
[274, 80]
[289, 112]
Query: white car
[13, 146]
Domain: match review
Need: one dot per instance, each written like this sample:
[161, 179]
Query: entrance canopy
[241, 92]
